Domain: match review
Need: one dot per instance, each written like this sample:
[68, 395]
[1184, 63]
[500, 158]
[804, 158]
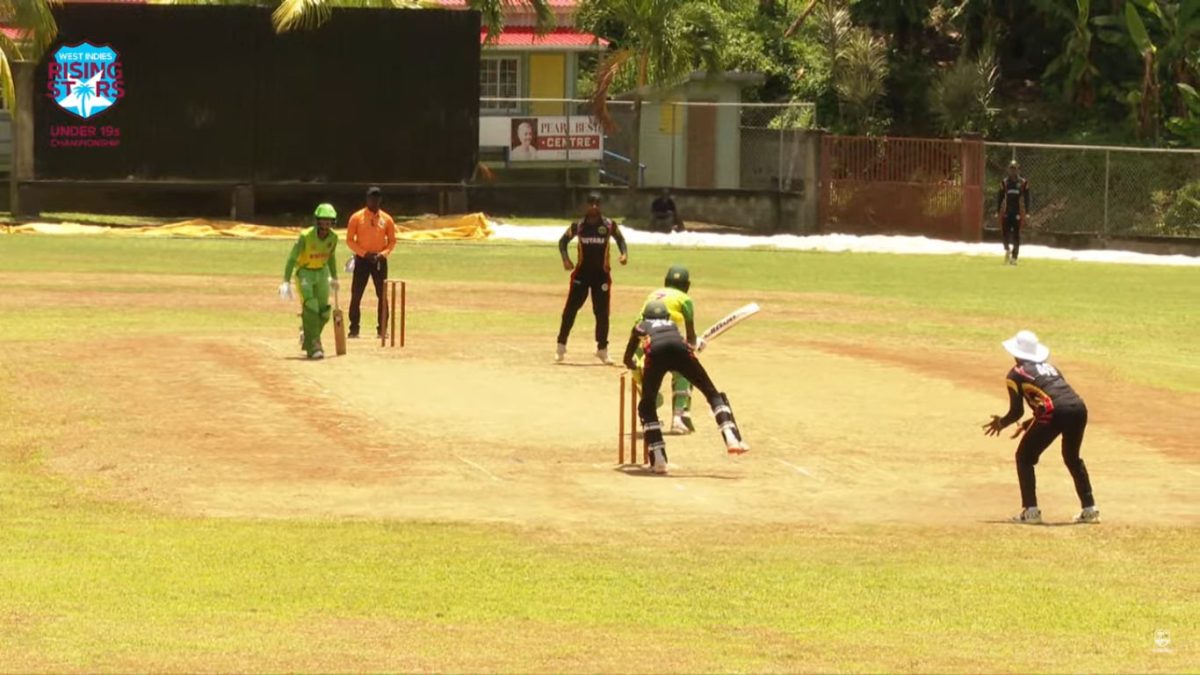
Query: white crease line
[489, 474]
[797, 469]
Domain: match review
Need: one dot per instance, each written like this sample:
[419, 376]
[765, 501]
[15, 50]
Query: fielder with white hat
[1057, 410]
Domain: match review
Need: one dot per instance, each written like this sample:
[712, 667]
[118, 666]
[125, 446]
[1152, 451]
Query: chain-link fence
[679, 143]
[1107, 191]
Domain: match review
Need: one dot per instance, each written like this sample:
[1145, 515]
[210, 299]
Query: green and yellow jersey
[311, 252]
[679, 304]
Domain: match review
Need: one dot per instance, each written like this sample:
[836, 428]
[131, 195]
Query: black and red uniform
[592, 273]
[1057, 409]
[666, 351]
[1014, 191]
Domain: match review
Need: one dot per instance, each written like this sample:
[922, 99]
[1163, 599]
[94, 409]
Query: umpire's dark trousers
[377, 271]
[1070, 424]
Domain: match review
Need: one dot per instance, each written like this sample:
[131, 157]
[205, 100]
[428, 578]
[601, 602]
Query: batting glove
[285, 291]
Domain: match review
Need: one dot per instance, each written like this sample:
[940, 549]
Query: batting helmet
[325, 212]
[656, 309]
[677, 277]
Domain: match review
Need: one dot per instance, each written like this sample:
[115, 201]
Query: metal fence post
[779, 170]
[1107, 167]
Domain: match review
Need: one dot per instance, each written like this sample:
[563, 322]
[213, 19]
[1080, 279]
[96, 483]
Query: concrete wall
[751, 211]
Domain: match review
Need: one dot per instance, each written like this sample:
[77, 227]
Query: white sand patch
[843, 243]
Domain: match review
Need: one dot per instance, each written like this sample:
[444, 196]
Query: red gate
[914, 186]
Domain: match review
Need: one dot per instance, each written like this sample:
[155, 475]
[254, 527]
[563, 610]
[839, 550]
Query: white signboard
[544, 139]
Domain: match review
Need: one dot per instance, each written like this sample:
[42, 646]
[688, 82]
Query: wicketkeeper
[664, 351]
[1057, 410]
[313, 260]
[674, 295]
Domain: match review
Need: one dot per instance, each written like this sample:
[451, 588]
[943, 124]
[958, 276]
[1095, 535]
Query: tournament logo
[603, 230]
[85, 80]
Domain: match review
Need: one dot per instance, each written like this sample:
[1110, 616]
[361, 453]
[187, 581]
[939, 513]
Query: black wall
[213, 93]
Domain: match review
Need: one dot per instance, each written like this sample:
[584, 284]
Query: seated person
[663, 215]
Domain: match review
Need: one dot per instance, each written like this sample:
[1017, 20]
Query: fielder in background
[664, 351]
[313, 260]
[1057, 409]
[371, 234]
[1012, 209]
[591, 272]
[674, 294]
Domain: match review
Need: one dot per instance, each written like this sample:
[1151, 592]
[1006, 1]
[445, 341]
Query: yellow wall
[547, 79]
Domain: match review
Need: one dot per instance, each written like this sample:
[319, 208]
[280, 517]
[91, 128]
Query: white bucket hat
[1025, 346]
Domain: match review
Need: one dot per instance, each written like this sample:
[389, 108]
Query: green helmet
[656, 309]
[325, 212]
[677, 277]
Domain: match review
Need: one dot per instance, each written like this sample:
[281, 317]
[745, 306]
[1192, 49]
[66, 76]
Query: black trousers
[679, 359]
[600, 288]
[1070, 423]
[377, 272]
[669, 359]
[1010, 227]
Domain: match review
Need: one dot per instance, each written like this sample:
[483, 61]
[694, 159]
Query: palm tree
[655, 43]
[293, 14]
[33, 31]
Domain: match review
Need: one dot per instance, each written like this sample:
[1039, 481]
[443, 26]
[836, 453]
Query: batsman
[313, 260]
[674, 294]
[664, 351]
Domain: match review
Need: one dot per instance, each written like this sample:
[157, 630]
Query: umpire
[1012, 208]
[371, 234]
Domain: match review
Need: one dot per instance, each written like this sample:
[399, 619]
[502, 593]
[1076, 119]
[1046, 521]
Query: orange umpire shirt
[368, 232]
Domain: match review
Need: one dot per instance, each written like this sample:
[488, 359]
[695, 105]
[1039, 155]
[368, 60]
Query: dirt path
[493, 431]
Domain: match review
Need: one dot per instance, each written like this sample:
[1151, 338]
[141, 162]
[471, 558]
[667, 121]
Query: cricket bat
[732, 319]
[339, 328]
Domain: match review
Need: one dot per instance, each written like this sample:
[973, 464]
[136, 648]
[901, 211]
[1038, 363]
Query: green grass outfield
[91, 585]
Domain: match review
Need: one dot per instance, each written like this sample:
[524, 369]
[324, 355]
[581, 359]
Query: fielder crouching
[665, 351]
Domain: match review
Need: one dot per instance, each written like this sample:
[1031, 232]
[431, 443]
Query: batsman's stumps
[633, 423]
[391, 304]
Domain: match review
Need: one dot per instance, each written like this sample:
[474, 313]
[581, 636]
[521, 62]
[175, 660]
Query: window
[500, 78]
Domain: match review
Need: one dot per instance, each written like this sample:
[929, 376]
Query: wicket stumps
[390, 295]
[633, 423]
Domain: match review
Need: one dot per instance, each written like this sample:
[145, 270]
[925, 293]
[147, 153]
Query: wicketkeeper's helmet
[656, 309]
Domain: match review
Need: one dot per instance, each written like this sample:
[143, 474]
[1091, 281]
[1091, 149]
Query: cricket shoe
[317, 355]
[1090, 515]
[658, 461]
[1013, 262]
[679, 426]
[1029, 516]
[560, 352]
[1007, 258]
[733, 444]
[602, 354]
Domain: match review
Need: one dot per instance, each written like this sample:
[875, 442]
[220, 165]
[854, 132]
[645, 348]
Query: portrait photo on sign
[524, 139]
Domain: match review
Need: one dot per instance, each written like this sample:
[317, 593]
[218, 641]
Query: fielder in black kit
[1057, 410]
[666, 351]
[1012, 208]
[591, 273]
